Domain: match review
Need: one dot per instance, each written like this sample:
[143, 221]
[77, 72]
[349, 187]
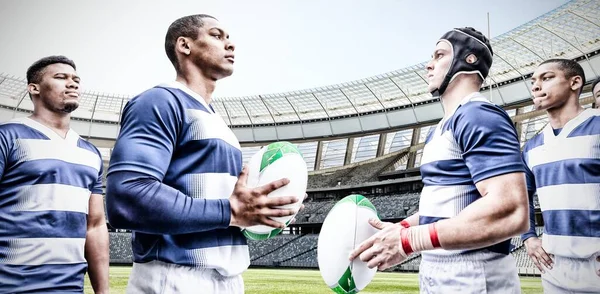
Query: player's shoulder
[587, 123]
[88, 146]
[17, 128]
[592, 116]
[477, 106]
[534, 142]
[476, 110]
[154, 95]
[157, 98]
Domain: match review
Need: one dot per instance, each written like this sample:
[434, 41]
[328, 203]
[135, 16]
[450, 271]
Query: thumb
[376, 223]
[243, 178]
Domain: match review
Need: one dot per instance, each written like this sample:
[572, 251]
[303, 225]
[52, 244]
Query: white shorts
[572, 275]
[157, 277]
[478, 272]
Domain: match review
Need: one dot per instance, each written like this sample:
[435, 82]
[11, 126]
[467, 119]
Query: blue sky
[280, 45]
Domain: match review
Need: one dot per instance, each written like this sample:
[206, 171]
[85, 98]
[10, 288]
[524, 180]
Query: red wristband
[404, 224]
[405, 242]
[434, 236]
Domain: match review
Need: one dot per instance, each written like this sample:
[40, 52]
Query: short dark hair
[186, 26]
[36, 70]
[570, 68]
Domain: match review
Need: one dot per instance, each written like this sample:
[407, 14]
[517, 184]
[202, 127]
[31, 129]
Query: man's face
[58, 89]
[438, 66]
[596, 93]
[549, 87]
[212, 51]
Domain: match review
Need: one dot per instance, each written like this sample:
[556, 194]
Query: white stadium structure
[364, 136]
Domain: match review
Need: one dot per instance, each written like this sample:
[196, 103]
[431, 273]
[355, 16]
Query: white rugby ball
[345, 227]
[273, 162]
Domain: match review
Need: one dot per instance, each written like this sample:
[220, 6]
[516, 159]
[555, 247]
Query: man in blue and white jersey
[173, 175]
[474, 199]
[52, 225]
[564, 169]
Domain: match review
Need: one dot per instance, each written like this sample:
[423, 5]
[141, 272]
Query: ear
[471, 58]
[182, 46]
[33, 89]
[576, 83]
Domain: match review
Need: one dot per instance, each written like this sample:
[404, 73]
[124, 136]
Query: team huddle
[177, 181]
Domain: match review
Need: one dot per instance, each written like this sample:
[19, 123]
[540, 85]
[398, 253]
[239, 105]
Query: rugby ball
[273, 162]
[345, 227]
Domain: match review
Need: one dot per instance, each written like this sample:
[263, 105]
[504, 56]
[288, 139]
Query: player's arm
[531, 188]
[491, 151]
[533, 244]
[138, 200]
[501, 213]
[96, 239]
[498, 215]
[96, 245]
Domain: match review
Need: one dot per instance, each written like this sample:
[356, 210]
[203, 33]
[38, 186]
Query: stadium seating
[356, 173]
[292, 249]
[395, 206]
[120, 248]
[261, 248]
[304, 260]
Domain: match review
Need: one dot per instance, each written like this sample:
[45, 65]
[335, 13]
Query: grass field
[265, 281]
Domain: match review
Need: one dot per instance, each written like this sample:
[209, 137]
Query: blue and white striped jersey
[564, 170]
[476, 142]
[45, 186]
[169, 133]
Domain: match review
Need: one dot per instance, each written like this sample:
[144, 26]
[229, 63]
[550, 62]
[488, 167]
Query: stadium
[360, 137]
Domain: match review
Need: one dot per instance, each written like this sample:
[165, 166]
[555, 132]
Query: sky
[281, 45]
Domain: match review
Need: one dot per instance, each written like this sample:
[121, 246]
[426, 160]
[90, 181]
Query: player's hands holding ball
[251, 206]
[382, 250]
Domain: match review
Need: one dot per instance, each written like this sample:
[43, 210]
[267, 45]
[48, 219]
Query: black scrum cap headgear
[464, 42]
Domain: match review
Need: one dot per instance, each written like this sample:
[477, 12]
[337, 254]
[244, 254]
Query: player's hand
[537, 254]
[251, 207]
[383, 249]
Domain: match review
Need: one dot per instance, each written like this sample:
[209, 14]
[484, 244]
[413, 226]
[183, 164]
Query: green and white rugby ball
[345, 227]
[273, 162]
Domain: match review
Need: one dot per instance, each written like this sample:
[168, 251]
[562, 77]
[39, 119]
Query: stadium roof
[570, 31]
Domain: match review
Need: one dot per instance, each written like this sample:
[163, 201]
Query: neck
[60, 122]
[455, 92]
[198, 82]
[560, 116]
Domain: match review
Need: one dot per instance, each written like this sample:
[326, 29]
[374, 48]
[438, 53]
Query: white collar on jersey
[184, 88]
[570, 125]
[71, 138]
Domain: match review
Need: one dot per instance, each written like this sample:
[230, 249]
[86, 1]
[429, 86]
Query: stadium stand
[356, 173]
[292, 249]
[120, 248]
[259, 249]
[304, 260]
